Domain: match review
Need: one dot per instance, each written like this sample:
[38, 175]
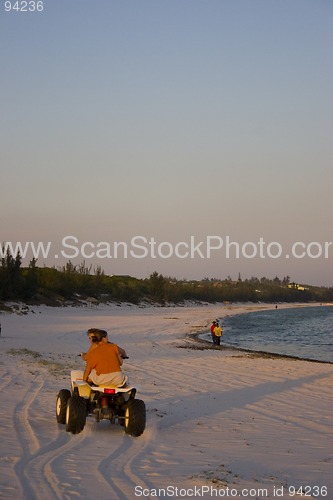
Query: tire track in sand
[40, 468]
[53, 470]
[33, 470]
[118, 468]
[6, 379]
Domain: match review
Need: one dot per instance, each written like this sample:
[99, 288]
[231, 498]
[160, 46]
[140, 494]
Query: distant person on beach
[91, 333]
[212, 331]
[103, 363]
[218, 334]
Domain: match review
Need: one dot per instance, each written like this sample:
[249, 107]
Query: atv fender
[78, 385]
[84, 389]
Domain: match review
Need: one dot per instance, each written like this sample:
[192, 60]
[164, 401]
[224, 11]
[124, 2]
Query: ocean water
[305, 332]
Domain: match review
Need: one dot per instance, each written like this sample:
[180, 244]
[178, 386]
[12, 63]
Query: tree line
[55, 286]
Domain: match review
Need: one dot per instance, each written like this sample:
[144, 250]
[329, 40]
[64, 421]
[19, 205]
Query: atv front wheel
[61, 405]
[135, 417]
[76, 414]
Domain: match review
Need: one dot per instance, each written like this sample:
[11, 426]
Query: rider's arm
[122, 352]
[88, 369]
[119, 356]
[86, 373]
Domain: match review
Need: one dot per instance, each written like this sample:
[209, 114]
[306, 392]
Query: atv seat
[85, 389]
[110, 386]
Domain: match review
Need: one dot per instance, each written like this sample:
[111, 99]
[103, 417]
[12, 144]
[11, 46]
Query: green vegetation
[56, 286]
[35, 359]
[24, 352]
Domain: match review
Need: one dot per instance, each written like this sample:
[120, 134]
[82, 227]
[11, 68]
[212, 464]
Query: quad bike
[103, 402]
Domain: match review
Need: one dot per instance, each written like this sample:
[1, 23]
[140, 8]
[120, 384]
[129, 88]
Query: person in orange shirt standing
[103, 364]
[212, 328]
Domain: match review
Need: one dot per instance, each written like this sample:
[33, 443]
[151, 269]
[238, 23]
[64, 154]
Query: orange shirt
[104, 359]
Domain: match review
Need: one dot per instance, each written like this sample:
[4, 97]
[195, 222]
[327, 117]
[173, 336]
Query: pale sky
[170, 119]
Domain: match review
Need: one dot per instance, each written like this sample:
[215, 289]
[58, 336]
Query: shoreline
[207, 345]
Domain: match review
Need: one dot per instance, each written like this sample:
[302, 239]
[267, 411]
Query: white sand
[217, 421]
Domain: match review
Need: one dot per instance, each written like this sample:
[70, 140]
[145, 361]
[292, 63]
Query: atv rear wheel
[135, 417]
[61, 405]
[76, 414]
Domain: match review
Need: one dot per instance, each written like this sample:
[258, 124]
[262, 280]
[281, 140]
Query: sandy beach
[220, 423]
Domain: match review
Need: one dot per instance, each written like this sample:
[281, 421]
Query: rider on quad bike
[101, 391]
[103, 364]
[91, 334]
